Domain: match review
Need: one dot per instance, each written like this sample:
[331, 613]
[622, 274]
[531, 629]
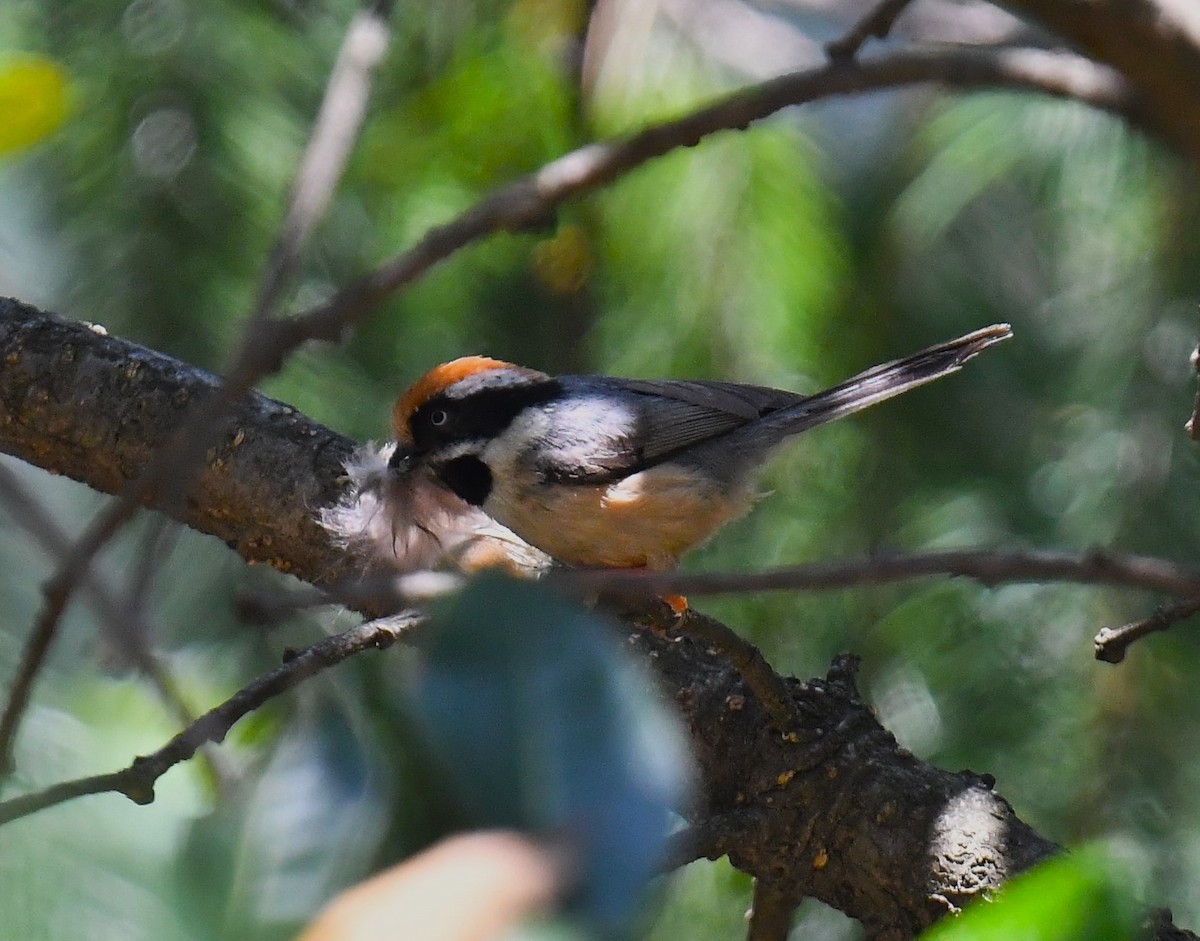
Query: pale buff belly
[649, 519]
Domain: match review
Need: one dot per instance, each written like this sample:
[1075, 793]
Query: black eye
[437, 418]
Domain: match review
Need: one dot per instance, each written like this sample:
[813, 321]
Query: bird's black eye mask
[482, 415]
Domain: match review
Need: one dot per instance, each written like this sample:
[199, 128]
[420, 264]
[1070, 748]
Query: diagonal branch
[43, 529]
[877, 23]
[137, 781]
[169, 474]
[1112, 643]
[333, 136]
[530, 200]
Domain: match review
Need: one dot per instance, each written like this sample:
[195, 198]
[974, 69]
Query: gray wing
[691, 412]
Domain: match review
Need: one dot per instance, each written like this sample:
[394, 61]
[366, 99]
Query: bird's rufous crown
[440, 378]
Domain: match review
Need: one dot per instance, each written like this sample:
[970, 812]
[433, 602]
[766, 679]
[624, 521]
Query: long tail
[887, 381]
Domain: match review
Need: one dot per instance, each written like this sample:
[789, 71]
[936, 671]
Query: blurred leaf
[549, 727]
[306, 825]
[1080, 897]
[708, 893]
[33, 101]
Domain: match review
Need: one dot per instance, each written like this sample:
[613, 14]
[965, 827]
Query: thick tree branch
[1155, 44]
[95, 408]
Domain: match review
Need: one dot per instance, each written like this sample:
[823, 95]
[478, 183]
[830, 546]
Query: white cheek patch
[448, 452]
[583, 434]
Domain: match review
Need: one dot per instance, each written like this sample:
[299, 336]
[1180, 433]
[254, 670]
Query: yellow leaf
[33, 101]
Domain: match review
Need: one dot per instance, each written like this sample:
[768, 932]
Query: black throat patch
[468, 477]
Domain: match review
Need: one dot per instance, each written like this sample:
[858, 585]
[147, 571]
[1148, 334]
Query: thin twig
[157, 544]
[28, 512]
[532, 199]
[1112, 642]
[371, 593]
[333, 136]
[771, 914]
[137, 781]
[334, 132]
[988, 566]
[168, 475]
[37, 646]
[876, 24]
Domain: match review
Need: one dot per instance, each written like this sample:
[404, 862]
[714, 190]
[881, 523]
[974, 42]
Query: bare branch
[33, 656]
[1112, 642]
[137, 781]
[333, 135]
[169, 475]
[875, 25]
[988, 566]
[529, 201]
[1154, 43]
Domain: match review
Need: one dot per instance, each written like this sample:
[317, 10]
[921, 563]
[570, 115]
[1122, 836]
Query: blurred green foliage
[794, 254]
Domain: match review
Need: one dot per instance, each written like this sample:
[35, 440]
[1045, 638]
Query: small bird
[605, 472]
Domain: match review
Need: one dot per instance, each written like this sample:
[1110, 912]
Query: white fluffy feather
[410, 522]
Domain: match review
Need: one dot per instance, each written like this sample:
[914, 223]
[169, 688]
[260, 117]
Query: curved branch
[529, 201]
[1154, 43]
[137, 781]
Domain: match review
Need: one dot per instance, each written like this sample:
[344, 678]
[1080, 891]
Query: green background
[817, 243]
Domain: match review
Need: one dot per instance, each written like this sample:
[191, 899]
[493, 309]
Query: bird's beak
[402, 459]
